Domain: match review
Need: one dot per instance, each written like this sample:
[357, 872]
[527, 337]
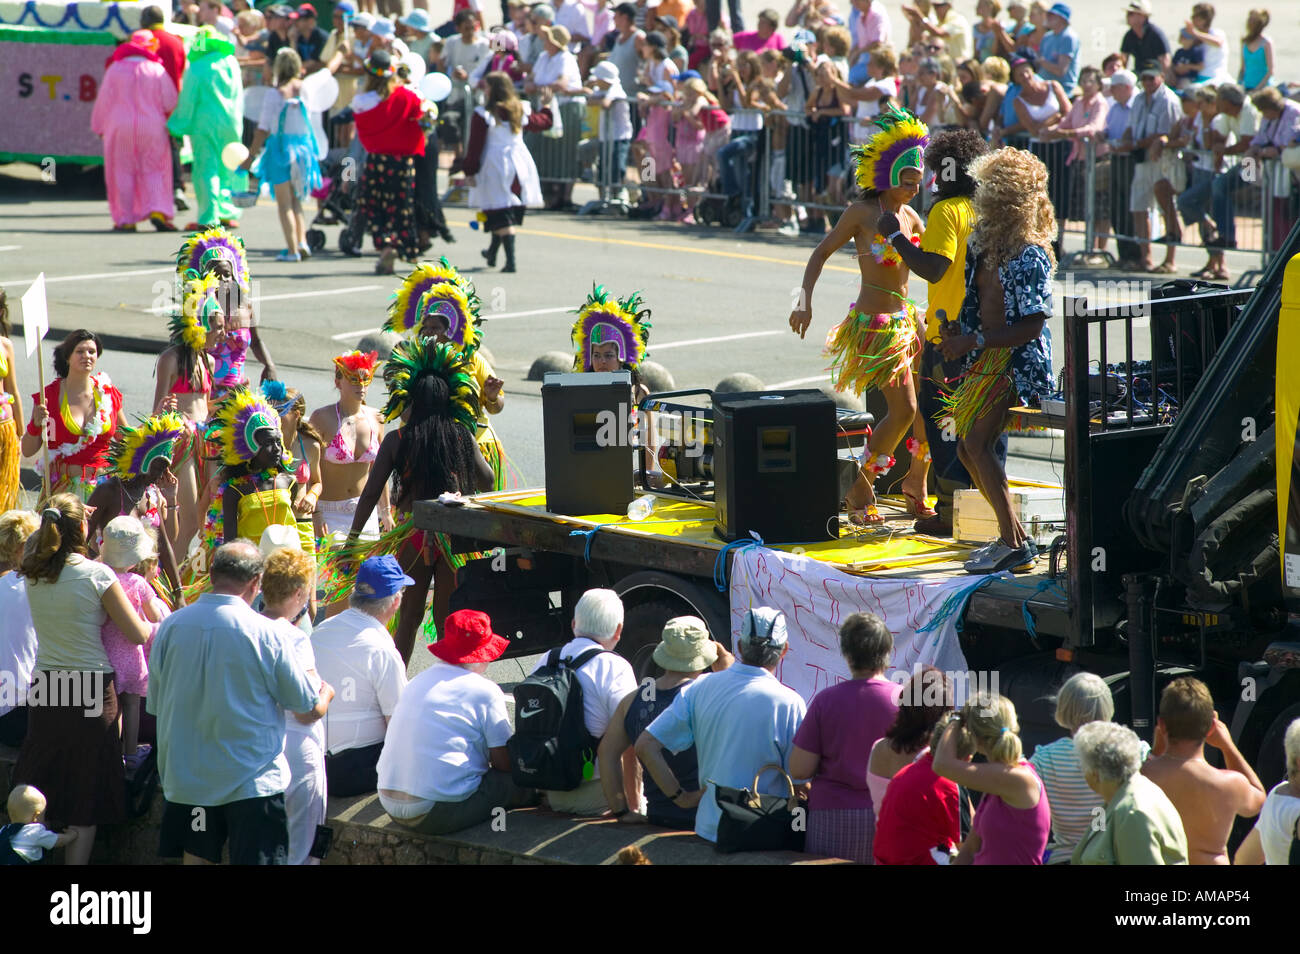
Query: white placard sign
[36, 315]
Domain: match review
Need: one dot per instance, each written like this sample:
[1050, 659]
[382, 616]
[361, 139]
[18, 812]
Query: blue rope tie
[720, 564]
[591, 536]
[1042, 586]
[954, 604]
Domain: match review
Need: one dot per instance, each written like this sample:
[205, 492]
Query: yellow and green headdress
[199, 306]
[899, 144]
[202, 249]
[604, 318]
[235, 422]
[134, 449]
[437, 289]
[411, 360]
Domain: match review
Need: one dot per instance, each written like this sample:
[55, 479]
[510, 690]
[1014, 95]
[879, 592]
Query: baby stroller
[340, 191]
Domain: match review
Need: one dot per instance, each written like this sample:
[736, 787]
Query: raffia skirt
[10, 457]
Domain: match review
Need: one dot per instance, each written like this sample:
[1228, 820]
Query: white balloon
[254, 100]
[436, 86]
[416, 67]
[319, 91]
[233, 156]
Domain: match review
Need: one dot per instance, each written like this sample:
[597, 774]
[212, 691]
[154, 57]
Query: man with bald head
[220, 680]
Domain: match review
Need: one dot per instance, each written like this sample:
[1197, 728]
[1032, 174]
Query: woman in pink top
[1013, 819]
[833, 742]
[925, 699]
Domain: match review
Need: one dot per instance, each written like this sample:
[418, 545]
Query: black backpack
[551, 747]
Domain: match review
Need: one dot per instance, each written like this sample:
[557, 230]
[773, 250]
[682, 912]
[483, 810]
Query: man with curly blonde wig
[1002, 331]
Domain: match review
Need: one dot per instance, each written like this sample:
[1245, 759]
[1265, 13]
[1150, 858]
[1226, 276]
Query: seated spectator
[923, 702]
[445, 766]
[606, 680]
[1013, 819]
[1208, 799]
[18, 635]
[221, 678]
[1272, 840]
[25, 840]
[1140, 825]
[287, 585]
[831, 747]
[1084, 698]
[355, 654]
[920, 816]
[685, 651]
[738, 720]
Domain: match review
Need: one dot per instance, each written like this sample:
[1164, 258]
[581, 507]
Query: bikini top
[229, 355]
[340, 451]
[183, 385]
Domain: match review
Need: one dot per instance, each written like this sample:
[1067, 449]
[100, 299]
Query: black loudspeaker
[774, 466]
[587, 425]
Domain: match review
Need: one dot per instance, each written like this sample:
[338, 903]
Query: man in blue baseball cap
[739, 720]
[1058, 53]
[357, 650]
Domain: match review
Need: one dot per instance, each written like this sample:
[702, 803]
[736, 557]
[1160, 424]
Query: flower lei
[884, 252]
[99, 421]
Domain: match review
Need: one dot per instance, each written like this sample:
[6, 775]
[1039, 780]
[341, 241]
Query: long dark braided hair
[435, 451]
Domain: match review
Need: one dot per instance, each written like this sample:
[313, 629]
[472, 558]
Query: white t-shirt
[355, 655]
[32, 841]
[270, 118]
[300, 645]
[17, 642]
[1232, 128]
[1277, 825]
[561, 68]
[870, 108]
[606, 680]
[68, 616]
[573, 17]
[616, 121]
[437, 747]
[1215, 65]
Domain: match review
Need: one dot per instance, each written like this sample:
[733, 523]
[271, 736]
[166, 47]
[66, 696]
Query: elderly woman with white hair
[1140, 825]
[1275, 836]
[1084, 698]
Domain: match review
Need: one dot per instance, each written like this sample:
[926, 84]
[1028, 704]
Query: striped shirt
[1072, 801]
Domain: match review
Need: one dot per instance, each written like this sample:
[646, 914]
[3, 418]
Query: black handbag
[753, 822]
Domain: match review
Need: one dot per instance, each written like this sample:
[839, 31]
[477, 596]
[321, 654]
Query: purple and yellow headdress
[357, 367]
[603, 318]
[203, 248]
[899, 144]
[134, 449]
[417, 357]
[190, 326]
[234, 424]
[437, 290]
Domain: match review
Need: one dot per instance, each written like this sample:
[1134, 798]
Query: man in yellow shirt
[941, 261]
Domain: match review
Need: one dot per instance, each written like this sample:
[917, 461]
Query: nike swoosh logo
[529, 715]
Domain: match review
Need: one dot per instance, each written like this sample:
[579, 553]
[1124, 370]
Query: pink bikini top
[340, 451]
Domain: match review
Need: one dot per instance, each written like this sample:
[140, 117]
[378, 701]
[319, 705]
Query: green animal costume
[211, 112]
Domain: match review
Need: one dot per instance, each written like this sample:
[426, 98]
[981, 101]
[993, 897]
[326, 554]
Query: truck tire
[1270, 764]
[642, 626]
[653, 598]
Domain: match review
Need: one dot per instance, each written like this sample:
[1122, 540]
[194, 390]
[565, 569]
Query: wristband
[680, 792]
[895, 234]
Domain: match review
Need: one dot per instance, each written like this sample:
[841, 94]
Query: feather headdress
[203, 248]
[899, 144]
[437, 290]
[358, 367]
[191, 325]
[134, 449]
[416, 357]
[278, 395]
[234, 424]
[603, 318]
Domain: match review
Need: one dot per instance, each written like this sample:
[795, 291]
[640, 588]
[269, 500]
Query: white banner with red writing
[817, 598]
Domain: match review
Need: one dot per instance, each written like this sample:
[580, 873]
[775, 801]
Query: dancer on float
[351, 433]
[437, 301]
[255, 485]
[80, 410]
[877, 345]
[183, 386]
[11, 414]
[143, 485]
[1003, 329]
[431, 453]
[304, 445]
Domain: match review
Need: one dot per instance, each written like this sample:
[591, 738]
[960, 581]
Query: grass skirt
[986, 383]
[10, 457]
[869, 352]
